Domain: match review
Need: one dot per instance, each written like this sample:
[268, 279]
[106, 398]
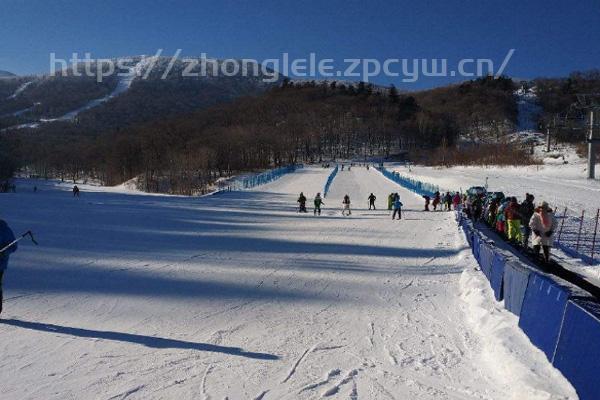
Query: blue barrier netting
[579, 346]
[497, 275]
[414, 185]
[559, 318]
[329, 181]
[543, 310]
[516, 278]
[249, 182]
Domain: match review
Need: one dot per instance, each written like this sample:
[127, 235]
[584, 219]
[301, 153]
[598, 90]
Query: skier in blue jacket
[6, 237]
[397, 207]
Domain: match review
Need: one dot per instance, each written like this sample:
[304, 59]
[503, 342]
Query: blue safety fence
[559, 318]
[414, 185]
[330, 181]
[497, 275]
[543, 309]
[515, 281]
[486, 257]
[248, 182]
[578, 347]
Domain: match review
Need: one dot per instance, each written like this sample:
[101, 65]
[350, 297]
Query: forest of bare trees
[293, 123]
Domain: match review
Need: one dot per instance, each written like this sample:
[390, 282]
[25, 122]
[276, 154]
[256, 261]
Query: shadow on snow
[148, 341]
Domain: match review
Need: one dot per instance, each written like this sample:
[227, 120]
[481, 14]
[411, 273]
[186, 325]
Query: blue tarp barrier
[543, 310]
[414, 185]
[578, 352]
[486, 257]
[469, 235]
[516, 278]
[497, 275]
[251, 181]
[476, 245]
[330, 181]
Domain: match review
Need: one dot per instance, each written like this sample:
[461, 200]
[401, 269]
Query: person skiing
[346, 205]
[318, 203]
[527, 209]
[372, 199]
[543, 226]
[302, 201]
[390, 201]
[397, 208]
[75, 191]
[427, 201]
[456, 201]
[6, 237]
[436, 200]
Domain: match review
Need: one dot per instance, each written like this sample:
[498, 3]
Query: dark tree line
[293, 123]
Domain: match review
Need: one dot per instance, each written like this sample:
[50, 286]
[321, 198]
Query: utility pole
[548, 139]
[591, 153]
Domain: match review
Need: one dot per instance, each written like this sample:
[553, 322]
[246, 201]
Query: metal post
[580, 228]
[595, 233]
[591, 154]
[548, 140]
[562, 224]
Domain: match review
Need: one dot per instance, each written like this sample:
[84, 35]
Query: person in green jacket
[390, 201]
[318, 204]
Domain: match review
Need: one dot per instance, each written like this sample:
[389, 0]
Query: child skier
[427, 201]
[346, 205]
[397, 208]
[390, 201]
[436, 200]
[302, 202]
[318, 203]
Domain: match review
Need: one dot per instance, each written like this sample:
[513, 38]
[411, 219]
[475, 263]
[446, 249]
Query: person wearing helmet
[318, 203]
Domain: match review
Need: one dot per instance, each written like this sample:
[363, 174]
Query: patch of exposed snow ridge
[19, 90]
[528, 109]
[125, 81]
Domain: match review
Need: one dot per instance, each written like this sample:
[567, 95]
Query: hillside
[6, 74]
[144, 89]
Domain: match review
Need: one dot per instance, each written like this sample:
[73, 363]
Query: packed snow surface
[237, 296]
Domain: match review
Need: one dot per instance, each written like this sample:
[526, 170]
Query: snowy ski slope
[237, 296]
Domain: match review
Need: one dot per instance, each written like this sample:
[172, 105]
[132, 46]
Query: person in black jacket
[526, 210]
[302, 202]
[372, 199]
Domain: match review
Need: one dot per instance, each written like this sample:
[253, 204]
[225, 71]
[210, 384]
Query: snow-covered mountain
[6, 74]
[140, 89]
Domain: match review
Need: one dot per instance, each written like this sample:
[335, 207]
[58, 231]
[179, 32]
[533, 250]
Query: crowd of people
[394, 204]
[447, 202]
[519, 223]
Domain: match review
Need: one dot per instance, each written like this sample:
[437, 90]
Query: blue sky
[549, 38]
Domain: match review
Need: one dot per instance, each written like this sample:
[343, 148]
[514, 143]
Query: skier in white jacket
[543, 226]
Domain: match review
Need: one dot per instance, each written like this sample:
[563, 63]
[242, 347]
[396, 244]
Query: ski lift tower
[592, 141]
[591, 103]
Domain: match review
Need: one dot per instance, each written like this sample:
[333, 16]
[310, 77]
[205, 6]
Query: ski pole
[23, 236]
